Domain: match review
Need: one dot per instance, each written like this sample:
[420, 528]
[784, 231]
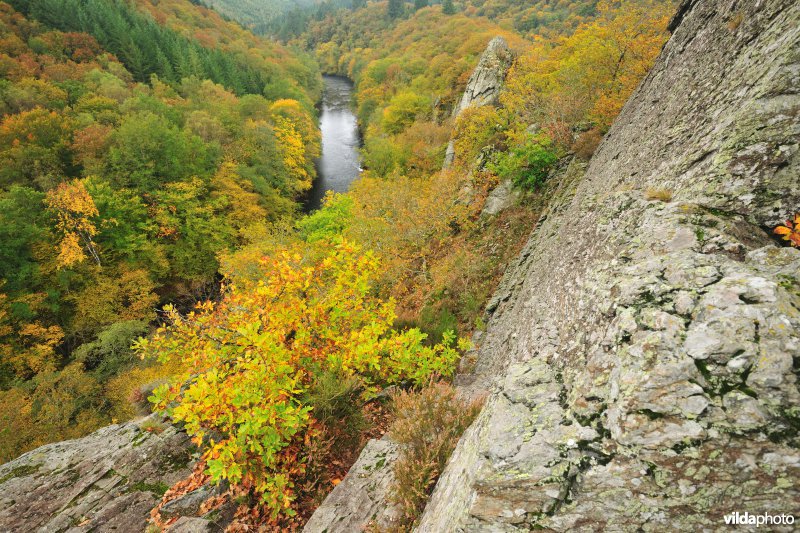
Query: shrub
[586, 143]
[528, 164]
[436, 321]
[475, 129]
[337, 406]
[661, 195]
[256, 366]
[428, 425]
[335, 401]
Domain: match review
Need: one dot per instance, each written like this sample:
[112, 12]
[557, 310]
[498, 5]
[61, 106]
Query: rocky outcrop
[500, 198]
[107, 481]
[642, 355]
[362, 498]
[485, 83]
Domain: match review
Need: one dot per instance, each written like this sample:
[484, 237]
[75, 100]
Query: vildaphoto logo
[747, 519]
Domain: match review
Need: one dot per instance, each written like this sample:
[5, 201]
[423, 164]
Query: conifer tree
[395, 9]
[448, 8]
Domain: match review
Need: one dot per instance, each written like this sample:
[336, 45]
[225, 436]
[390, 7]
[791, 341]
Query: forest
[153, 248]
[125, 173]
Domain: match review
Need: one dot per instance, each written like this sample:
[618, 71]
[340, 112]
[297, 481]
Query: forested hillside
[261, 15]
[560, 98]
[558, 291]
[132, 154]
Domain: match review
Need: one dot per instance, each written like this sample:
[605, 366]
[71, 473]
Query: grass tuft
[661, 195]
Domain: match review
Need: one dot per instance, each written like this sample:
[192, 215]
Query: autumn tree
[402, 110]
[34, 148]
[584, 79]
[252, 358]
[239, 198]
[73, 209]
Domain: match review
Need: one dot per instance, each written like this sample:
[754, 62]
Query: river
[339, 164]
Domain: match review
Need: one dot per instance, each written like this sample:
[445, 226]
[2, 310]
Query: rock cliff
[485, 83]
[642, 355]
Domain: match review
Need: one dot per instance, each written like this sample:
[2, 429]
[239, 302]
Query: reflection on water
[339, 164]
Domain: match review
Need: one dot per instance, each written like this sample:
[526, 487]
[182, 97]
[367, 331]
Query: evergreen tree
[395, 9]
[419, 4]
[143, 45]
[448, 8]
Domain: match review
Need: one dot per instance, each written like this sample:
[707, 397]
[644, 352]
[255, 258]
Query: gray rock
[362, 496]
[641, 369]
[487, 79]
[192, 524]
[484, 85]
[502, 197]
[108, 480]
[188, 504]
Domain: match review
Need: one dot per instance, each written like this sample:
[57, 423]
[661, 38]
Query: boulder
[362, 497]
[109, 480]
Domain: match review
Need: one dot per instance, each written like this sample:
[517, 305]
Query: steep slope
[117, 196]
[642, 356]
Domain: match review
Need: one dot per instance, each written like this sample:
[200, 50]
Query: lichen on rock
[642, 364]
[109, 480]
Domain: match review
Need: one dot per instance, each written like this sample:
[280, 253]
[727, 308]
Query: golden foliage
[73, 208]
[589, 75]
[790, 230]
[251, 360]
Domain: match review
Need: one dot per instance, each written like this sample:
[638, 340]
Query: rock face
[487, 79]
[362, 496]
[109, 480]
[484, 84]
[642, 356]
[501, 198]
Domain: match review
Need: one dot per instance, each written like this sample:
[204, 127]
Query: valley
[473, 265]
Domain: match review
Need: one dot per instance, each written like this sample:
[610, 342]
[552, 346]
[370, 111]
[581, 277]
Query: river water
[339, 164]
